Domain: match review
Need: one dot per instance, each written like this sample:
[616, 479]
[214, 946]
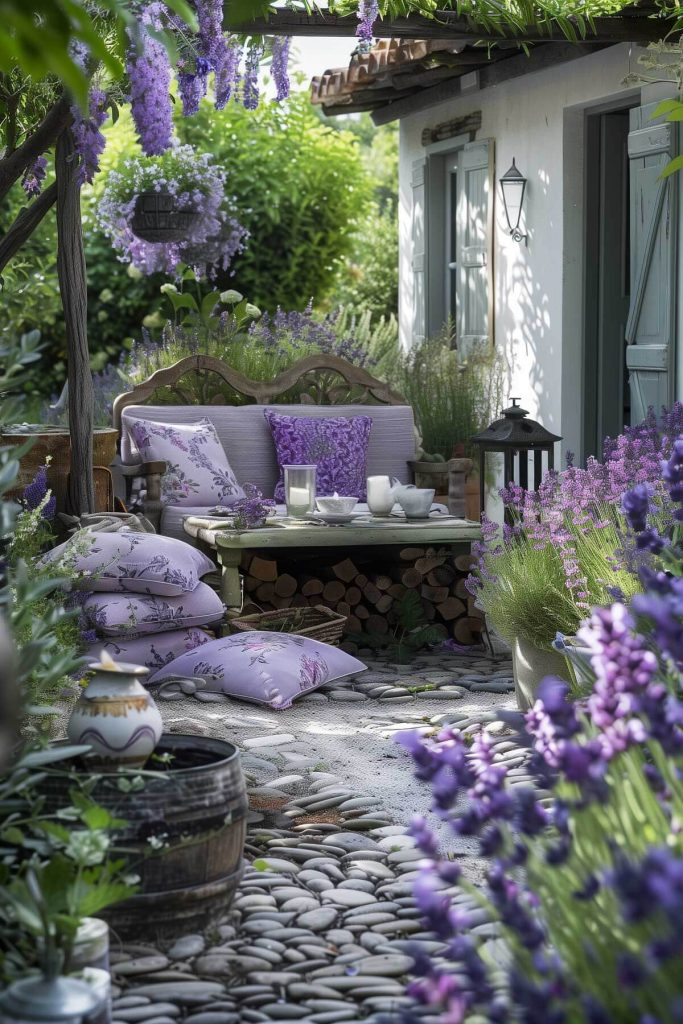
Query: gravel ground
[322, 934]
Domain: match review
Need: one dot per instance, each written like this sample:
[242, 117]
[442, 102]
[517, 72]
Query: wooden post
[73, 290]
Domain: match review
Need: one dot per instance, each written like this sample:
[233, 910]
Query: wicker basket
[319, 623]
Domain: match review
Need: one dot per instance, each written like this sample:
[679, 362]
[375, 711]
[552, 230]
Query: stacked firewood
[368, 587]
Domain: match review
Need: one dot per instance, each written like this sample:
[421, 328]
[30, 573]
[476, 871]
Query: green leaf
[12, 835]
[674, 165]
[260, 864]
[38, 758]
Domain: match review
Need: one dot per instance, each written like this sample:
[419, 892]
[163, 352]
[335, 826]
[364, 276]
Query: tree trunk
[25, 223]
[73, 289]
[38, 142]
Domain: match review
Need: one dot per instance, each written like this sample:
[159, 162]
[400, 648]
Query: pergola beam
[615, 29]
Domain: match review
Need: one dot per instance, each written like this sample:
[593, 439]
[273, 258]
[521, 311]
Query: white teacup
[416, 502]
[336, 505]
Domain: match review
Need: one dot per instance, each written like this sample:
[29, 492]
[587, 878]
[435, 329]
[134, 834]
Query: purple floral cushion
[337, 445]
[266, 668]
[142, 563]
[154, 651]
[133, 615]
[197, 468]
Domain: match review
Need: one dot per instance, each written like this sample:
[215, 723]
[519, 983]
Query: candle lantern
[300, 490]
[41, 1000]
[515, 436]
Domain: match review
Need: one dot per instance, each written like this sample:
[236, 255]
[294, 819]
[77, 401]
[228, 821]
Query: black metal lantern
[513, 187]
[515, 435]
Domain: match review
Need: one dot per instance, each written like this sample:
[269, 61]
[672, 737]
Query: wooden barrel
[196, 808]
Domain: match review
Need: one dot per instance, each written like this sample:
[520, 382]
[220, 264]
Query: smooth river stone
[285, 866]
[389, 965]
[269, 741]
[186, 992]
[348, 897]
[188, 945]
[350, 842]
[317, 920]
[376, 870]
[141, 965]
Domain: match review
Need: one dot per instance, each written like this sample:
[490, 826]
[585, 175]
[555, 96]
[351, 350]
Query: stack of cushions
[266, 668]
[145, 600]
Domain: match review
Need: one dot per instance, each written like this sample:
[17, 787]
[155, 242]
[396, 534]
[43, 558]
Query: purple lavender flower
[250, 81]
[251, 510]
[34, 176]
[149, 73]
[368, 13]
[88, 139]
[227, 73]
[672, 471]
[279, 67]
[36, 492]
[635, 505]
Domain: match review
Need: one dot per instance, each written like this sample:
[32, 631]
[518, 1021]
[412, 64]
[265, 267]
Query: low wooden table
[229, 544]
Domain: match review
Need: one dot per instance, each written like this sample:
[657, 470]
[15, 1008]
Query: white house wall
[538, 288]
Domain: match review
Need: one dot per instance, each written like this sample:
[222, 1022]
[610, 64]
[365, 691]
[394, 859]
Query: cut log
[265, 593]
[281, 602]
[384, 604]
[411, 578]
[285, 585]
[264, 569]
[312, 588]
[451, 608]
[444, 575]
[353, 595]
[361, 611]
[467, 631]
[299, 601]
[397, 590]
[343, 608]
[461, 590]
[383, 582]
[429, 562]
[371, 594]
[361, 580]
[377, 624]
[345, 571]
[334, 591]
[411, 554]
[464, 562]
[437, 595]
[353, 625]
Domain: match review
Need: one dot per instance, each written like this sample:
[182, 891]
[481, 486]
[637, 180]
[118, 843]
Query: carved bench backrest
[320, 379]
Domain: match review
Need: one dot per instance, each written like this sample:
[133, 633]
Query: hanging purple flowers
[193, 85]
[150, 80]
[88, 139]
[368, 13]
[279, 67]
[34, 176]
[227, 75]
[250, 83]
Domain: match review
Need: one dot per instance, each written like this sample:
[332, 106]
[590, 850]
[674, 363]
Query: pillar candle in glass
[300, 490]
[380, 495]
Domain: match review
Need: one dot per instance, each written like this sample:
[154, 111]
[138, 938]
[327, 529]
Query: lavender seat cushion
[246, 437]
[142, 563]
[336, 445]
[265, 668]
[131, 615]
[153, 651]
[197, 467]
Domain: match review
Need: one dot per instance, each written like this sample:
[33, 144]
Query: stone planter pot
[117, 716]
[157, 218]
[56, 443]
[530, 666]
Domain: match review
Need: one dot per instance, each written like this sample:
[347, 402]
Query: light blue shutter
[475, 244]
[419, 247]
[652, 316]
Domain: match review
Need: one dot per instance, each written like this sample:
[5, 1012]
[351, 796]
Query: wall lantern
[515, 437]
[513, 186]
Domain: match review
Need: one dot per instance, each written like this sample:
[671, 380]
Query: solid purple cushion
[132, 615]
[197, 468]
[266, 668]
[153, 651]
[142, 563]
[336, 445]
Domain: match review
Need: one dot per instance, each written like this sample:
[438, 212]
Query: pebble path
[323, 921]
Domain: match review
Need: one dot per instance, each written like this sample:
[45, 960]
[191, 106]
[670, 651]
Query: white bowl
[337, 506]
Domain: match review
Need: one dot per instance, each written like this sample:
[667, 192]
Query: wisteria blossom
[149, 73]
[34, 176]
[250, 82]
[279, 67]
[88, 139]
[368, 13]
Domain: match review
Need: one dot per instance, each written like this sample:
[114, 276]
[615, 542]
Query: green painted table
[229, 543]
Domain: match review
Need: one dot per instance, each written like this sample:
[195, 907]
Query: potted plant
[161, 210]
[453, 394]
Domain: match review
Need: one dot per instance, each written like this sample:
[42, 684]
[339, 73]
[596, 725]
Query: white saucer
[339, 517]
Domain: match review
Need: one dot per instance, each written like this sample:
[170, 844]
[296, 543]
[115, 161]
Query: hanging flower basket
[157, 218]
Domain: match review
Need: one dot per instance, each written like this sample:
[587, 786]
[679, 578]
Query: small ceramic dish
[336, 505]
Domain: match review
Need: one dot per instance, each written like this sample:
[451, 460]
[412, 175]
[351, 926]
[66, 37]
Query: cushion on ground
[336, 445]
[197, 467]
[153, 651]
[246, 437]
[142, 563]
[266, 668]
[130, 615]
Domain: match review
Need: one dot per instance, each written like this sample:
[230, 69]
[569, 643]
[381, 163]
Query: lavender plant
[251, 510]
[586, 885]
